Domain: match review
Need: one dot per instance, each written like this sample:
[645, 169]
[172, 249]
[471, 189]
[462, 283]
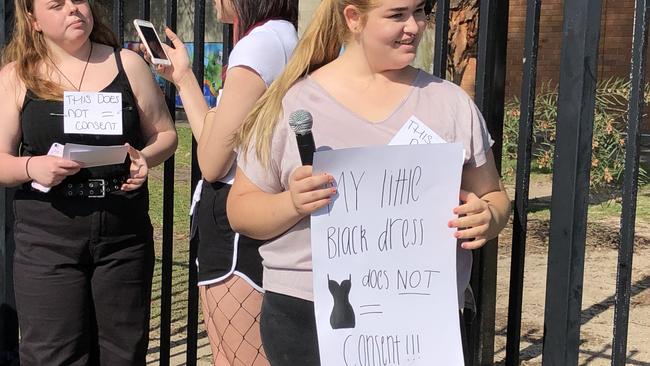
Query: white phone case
[55, 150]
[139, 24]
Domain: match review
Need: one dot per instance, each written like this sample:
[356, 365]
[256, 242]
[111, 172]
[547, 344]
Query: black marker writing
[403, 191]
[372, 350]
[377, 279]
[107, 99]
[95, 125]
[414, 279]
[404, 232]
[346, 241]
[77, 113]
[78, 99]
[421, 134]
[356, 189]
[342, 185]
[413, 344]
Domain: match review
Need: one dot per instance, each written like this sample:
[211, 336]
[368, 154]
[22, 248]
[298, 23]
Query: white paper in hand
[91, 156]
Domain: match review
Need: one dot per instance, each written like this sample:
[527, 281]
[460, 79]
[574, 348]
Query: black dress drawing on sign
[342, 314]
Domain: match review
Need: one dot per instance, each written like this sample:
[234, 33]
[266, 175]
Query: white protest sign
[415, 132]
[384, 258]
[92, 113]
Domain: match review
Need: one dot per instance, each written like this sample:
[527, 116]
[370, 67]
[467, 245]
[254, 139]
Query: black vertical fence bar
[8, 316]
[193, 289]
[630, 184]
[227, 32]
[168, 218]
[118, 20]
[490, 96]
[491, 68]
[527, 118]
[6, 11]
[442, 44]
[144, 9]
[571, 170]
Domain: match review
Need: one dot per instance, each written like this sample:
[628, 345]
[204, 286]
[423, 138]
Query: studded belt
[91, 188]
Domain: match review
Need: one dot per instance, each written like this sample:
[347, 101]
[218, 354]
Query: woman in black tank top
[84, 243]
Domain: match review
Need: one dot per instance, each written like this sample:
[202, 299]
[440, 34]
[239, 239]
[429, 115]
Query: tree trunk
[463, 39]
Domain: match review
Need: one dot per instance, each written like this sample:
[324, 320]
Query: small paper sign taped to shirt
[92, 113]
[415, 132]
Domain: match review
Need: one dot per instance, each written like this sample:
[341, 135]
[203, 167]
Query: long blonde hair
[320, 45]
[29, 51]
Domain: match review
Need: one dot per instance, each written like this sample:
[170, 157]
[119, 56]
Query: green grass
[182, 164]
[181, 227]
[603, 209]
[611, 208]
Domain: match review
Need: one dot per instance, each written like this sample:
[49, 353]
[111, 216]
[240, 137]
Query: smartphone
[151, 41]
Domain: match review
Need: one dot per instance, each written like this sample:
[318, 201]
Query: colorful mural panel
[212, 61]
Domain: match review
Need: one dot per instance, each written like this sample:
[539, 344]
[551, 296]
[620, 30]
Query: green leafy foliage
[609, 133]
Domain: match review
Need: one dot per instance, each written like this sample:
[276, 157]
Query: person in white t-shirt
[229, 264]
[361, 97]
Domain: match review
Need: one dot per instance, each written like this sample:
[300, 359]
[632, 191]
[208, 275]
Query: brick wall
[615, 41]
[615, 48]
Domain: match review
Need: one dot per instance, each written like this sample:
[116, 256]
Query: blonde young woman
[84, 249]
[360, 98]
[229, 264]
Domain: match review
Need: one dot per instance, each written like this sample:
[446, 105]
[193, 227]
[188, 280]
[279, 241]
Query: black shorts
[221, 251]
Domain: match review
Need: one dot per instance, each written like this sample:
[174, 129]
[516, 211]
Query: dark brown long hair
[250, 12]
[28, 50]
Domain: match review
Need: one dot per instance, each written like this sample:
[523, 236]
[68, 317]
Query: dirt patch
[182, 175]
[598, 297]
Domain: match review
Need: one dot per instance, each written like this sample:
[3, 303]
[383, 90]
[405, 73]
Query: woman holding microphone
[360, 97]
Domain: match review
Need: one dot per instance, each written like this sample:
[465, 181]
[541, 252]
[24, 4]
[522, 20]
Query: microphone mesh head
[301, 121]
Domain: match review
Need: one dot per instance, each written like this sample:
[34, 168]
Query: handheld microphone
[301, 122]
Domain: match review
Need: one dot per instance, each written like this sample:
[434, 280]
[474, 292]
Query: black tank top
[42, 125]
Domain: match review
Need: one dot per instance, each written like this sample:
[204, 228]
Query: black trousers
[82, 276]
[288, 329]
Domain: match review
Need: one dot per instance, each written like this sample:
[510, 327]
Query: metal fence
[577, 84]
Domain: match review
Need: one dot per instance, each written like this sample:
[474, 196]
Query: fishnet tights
[231, 310]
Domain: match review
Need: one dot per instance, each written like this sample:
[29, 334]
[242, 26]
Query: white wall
[307, 9]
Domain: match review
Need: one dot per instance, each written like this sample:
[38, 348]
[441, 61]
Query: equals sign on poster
[108, 114]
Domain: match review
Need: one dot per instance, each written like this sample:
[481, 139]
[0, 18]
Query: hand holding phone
[151, 42]
[180, 69]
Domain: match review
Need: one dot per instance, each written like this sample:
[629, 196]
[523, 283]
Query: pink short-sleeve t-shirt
[441, 105]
